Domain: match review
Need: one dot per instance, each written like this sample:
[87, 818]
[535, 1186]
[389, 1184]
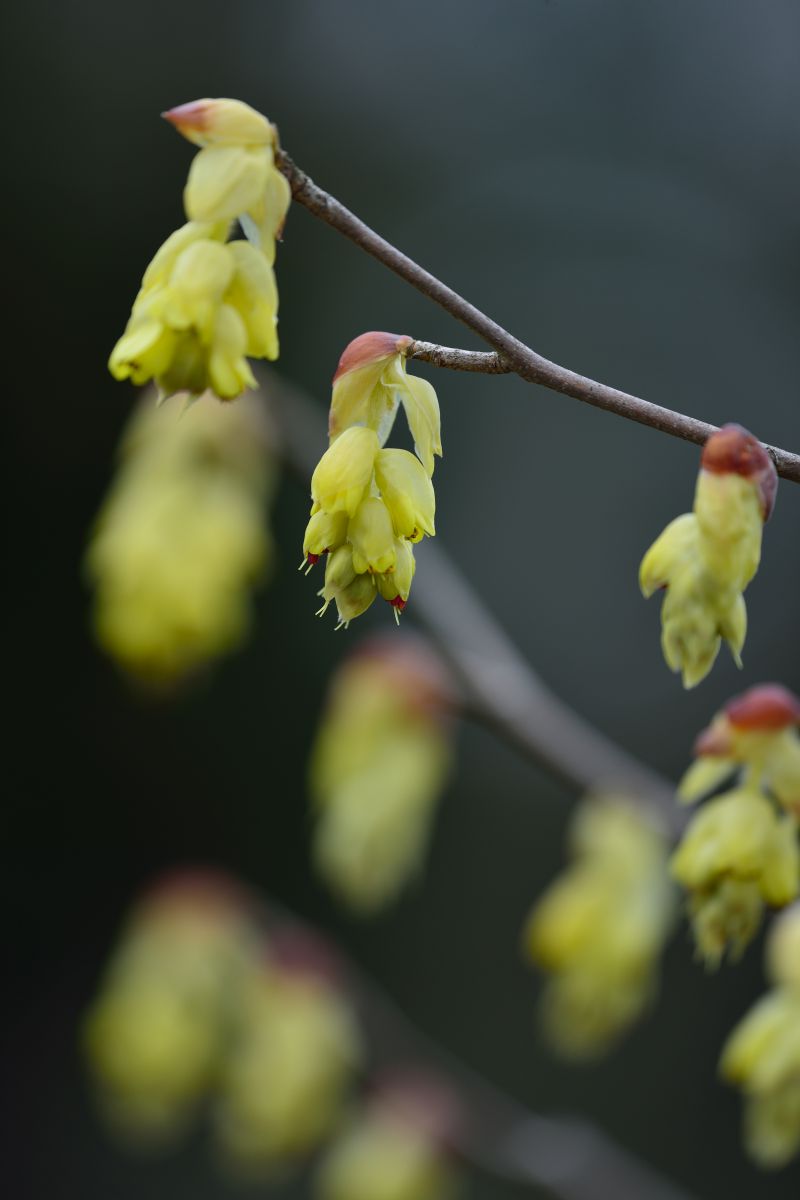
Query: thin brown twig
[512, 355]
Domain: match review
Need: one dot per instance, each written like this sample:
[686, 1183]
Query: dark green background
[616, 181]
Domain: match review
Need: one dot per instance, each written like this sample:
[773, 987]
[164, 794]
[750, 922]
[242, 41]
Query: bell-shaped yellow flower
[325, 532]
[352, 592]
[395, 585]
[342, 476]
[289, 1067]
[600, 927]
[203, 306]
[705, 559]
[762, 1055]
[407, 492]
[372, 538]
[181, 537]
[378, 767]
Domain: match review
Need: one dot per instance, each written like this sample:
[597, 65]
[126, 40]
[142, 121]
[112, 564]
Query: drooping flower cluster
[396, 1146]
[180, 539]
[599, 929]
[206, 304]
[370, 505]
[762, 1055]
[705, 559]
[197, 1008]
[740, 851]
[378, 767]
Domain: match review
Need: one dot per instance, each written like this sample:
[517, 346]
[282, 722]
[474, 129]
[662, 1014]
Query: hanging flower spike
[762, 1055]
[234, 176]
[387, 494]
[759, 732]
[206, 304]
[705, 559]
[740, 850]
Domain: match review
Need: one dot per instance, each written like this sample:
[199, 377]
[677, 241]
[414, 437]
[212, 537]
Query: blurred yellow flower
[599, 929]
[762, 1055]
[156, 1031]
[378, 767]
[288, 1069]
[705, 559]
[394, 1148]
[181, 537]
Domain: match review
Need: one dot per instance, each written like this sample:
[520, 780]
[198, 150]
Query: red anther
[313, 559]
[768, 707]
[398, 603]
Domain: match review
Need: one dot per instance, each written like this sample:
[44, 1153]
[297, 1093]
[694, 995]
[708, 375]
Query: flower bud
[221, 122]
[343, 474]
[372, 538]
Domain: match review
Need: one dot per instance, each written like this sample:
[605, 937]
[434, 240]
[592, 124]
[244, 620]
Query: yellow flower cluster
[378, 767]
[394, 1149]
[599, 929]
[180, 538]
[370, 504]
[740, 851]
[705, 559]
[207, 303]
[762, 1055]
[197, 1007]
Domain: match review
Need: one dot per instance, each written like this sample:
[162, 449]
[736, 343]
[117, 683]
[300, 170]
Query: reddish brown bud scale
[370, 347]
[201, 888]
[768, 707]
[733, 450]
[714, 742]
[193, 116]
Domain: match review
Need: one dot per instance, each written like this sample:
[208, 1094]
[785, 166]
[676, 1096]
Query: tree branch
[511, 355]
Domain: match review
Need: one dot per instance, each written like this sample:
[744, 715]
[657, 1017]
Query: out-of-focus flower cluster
[740, 850]
[206, 304]
[370, 505]
[181, 538]
[705, 559]
[599, 929]
[201, 1009]
[378, 767]
[762, 1055]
